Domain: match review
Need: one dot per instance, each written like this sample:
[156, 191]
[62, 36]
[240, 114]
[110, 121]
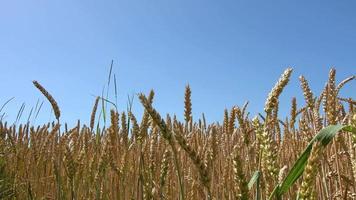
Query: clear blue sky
[228, 51]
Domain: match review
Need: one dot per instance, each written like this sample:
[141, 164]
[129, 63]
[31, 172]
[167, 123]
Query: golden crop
[163, 158]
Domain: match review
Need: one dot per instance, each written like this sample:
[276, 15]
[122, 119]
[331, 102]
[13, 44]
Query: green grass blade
[3, 106]
[254, 179]
[103, 104]
[19, 113]
[38, 111]
[351, 129]
[324, 136]
[116, 88]
[29, 116]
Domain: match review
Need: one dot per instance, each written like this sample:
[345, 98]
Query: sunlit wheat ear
[231, 124]
[167, 135]
[49, 97]
[281, 174]
[269, 159]
[304, 127]
[239, 177]
[258, 128]
[114, 118]
[146, 117]
[293, 113]
[272, 98]
[187, 104]
[213, 143]
[124, 131]
[152, 153]
[156, 118]
[275, 122]
[135, 128]
[316, 112]
[243, 129]
[307, 190]
[226, 121]
[308, 94]
[268, 147]
[113, 131]
[93, 113]
[197, 161]
[164, 171]
[353, 146]
[342, 83]
[70, 162]
[331, 98]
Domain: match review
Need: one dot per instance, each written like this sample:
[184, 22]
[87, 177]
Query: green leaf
[324, 137]
[351, 129]
[253, 179]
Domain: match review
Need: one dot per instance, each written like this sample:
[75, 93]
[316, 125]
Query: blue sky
[228, 51]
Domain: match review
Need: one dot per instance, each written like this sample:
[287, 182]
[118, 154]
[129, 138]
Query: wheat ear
[49, 97]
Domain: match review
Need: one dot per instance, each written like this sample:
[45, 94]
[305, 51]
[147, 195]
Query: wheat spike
[93, 113]
[49, 97]
[272, 98]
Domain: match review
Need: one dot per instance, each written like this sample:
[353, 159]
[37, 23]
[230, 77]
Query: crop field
[311, 154]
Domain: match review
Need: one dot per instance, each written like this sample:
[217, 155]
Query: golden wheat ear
[49, 97]
[272, 99]
[93, 113]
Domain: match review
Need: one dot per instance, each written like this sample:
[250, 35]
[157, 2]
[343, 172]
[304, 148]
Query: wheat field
[311, 154]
